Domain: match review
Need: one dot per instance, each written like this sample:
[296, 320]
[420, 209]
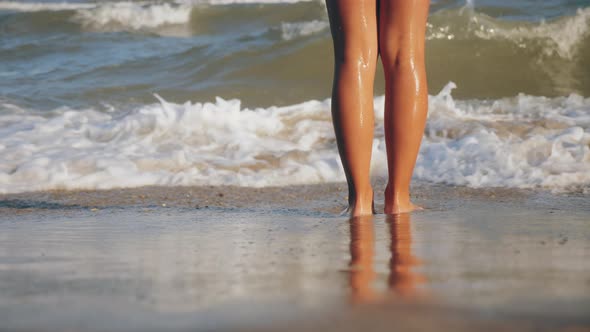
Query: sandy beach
[283, 259]
[172, 165]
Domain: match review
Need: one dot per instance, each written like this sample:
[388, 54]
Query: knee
[400, 54]
[398, 61]
[362, 57]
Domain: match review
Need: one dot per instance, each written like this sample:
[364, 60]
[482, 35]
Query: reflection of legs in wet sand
[403, 280]
[362, 253]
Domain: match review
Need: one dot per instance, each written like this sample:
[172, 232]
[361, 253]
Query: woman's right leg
[354, 31]
[402, 28]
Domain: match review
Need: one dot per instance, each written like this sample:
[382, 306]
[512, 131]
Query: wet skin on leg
[358, 39]
[354, 32]
[402, 28]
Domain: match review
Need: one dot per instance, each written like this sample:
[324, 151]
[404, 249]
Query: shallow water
[81, 54]
[137, 269]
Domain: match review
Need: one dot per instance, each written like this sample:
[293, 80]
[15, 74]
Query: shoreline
[326, 198]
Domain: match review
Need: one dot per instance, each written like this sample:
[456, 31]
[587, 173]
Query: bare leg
[354, 31]
[402, 28]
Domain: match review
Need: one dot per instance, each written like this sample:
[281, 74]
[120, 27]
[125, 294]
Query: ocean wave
[563, 36]
[144, 15]
[132, 15]
[59, 6]
[522, 141]
[43, 6]
[560, 37]
[239, 51]
[291, 31]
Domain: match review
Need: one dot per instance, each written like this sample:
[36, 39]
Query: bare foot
[399, 203]
[399, 208]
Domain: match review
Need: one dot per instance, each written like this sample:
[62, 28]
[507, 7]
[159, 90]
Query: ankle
[361, 202]
[361, 196]
[398, 197]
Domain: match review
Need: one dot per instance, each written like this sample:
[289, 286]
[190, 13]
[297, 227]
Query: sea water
[111, 94]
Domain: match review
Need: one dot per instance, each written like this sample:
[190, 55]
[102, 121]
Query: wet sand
[282, 259]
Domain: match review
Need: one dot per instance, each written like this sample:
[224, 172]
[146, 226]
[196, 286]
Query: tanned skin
[363, 30]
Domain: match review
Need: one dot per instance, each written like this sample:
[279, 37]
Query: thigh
[354, 28]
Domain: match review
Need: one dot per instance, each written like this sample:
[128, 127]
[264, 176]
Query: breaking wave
[523, 141]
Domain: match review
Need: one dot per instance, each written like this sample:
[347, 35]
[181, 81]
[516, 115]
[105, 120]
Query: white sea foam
[43, 6]
[291, 31]
[133, 15]
[515, 142]
[518, 142]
